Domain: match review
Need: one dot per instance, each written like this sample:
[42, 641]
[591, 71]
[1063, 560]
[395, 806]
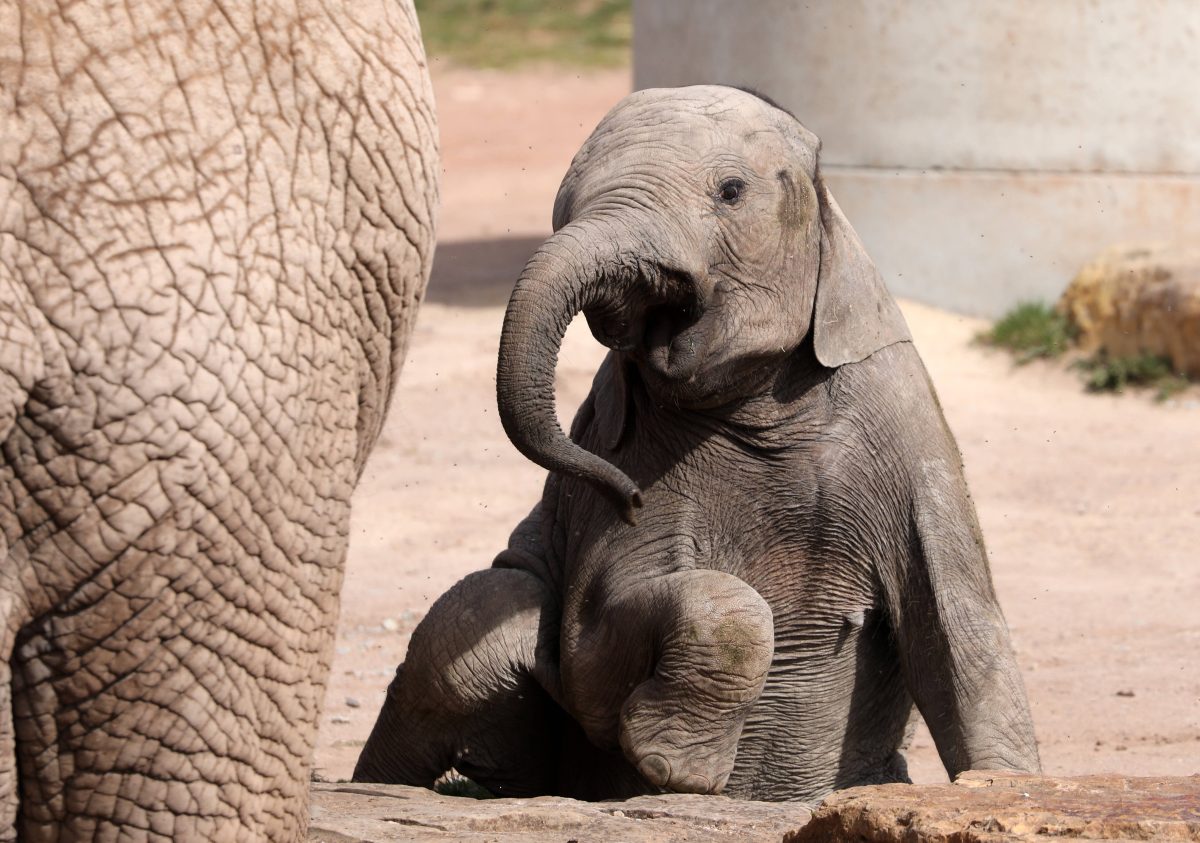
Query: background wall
[982, 150]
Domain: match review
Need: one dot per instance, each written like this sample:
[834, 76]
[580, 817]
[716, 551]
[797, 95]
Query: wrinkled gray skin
[216, 222]
[805, 563]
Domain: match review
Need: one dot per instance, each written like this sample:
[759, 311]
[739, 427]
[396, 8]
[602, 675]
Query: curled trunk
[577, 268]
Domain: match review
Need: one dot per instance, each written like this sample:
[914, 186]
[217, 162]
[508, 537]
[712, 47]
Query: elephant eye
[731, 191]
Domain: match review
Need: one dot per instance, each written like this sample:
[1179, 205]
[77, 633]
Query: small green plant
[455, 783]
[508, 33]
[1103, 373]
[1031, 330]
[1170, 386]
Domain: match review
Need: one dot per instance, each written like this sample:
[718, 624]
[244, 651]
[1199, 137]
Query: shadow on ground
[478, 273]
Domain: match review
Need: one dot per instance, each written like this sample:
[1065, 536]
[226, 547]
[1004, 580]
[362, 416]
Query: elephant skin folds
[216, 223]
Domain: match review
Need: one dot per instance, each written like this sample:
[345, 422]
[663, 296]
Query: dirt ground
[1090, 505]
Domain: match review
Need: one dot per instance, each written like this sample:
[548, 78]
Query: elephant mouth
[661, 321]
[673, 339]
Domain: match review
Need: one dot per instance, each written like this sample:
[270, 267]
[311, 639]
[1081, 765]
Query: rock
[987, 807]
[375, 813]
[980, 807]
[1131, 301]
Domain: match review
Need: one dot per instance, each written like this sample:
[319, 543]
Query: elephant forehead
[692, 128]
[716, 104]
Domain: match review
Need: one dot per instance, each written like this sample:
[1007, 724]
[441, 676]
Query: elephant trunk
[578, 268]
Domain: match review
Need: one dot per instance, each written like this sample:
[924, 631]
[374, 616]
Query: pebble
[339, 719]
[352, 702]
[391, 624]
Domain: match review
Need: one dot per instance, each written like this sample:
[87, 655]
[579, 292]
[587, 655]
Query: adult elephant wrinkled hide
[756, 551]
[216, 223]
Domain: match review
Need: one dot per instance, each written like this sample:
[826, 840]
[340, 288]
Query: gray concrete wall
[984, 149]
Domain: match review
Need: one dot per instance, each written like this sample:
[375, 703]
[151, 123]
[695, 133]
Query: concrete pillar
[983, 150]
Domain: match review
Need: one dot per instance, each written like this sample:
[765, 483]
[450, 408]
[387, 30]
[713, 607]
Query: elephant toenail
[693, 783]
[655, 769]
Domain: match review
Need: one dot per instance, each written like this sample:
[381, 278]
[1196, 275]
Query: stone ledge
[371, 813]
[983, 807]
[980, 807]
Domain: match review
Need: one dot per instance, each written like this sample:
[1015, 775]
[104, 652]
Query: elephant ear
[854, 315]
[613, 403]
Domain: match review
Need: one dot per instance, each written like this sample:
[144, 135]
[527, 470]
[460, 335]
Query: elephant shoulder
[889, 394]
[891, 416]
[894, 448]
[916, 456]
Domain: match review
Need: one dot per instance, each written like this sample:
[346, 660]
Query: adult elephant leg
[472, 692]
[12, 614]
[8, 759]
[712, 640]
[8, 752]
[165, 698]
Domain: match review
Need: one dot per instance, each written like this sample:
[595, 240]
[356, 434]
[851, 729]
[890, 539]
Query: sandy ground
[1090, 505]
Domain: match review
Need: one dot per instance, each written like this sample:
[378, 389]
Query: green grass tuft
[1031, 330]
[508, 33]
[1169, 387]
[1103, 373]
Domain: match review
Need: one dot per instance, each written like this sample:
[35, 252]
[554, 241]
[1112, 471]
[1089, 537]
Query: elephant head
[694, 231]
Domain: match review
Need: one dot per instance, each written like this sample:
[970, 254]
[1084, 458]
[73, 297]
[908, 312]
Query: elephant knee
[719, 639]
[491, 627]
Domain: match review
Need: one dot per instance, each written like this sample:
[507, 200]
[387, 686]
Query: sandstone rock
[1131, 301]
[371, 813]
[982, 807]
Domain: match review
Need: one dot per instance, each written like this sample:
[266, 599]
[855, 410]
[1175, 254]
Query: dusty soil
[1090, 505]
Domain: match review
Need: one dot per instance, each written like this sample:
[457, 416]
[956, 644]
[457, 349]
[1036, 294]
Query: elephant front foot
[714, 637]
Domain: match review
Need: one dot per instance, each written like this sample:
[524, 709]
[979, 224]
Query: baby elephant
[756, 551]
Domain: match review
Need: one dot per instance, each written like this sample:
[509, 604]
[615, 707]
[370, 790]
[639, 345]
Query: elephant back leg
[471, 693]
